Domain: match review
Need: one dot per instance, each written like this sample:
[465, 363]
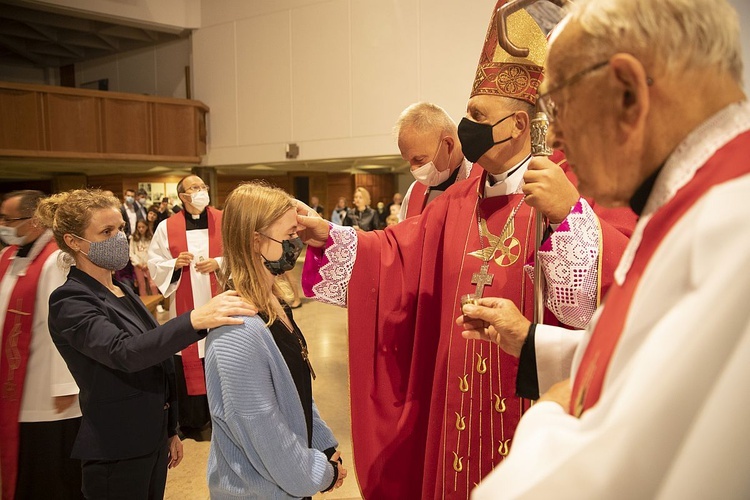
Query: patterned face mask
[290, 250]
[112, 254]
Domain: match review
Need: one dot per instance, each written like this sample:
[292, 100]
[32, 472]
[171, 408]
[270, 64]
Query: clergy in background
[184, 256]
[433, 413]
[645, 98]
[428, 141]
[39, 411]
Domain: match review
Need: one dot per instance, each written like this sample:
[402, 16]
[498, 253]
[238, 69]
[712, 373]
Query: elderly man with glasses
[645, 98]
[184, 257]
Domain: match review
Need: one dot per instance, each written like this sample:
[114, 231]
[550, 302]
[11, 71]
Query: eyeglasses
[196, 187]
[548, 106]
[3, 218]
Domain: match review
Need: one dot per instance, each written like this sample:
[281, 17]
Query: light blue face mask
[112, 254]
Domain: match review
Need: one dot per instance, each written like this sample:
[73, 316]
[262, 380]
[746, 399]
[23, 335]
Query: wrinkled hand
[175, 452]
[62, 403]
[497, 320]
[221, 310]
[559, 393]
[548, 189]
[206, 266]
[184, 259]
[311, 227]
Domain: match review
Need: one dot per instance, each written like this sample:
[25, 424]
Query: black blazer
[125, 371]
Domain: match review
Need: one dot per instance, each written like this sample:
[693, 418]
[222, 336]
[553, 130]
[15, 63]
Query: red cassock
[433, 413]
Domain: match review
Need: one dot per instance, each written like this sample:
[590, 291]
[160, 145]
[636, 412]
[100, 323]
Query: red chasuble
[433, 413]
[592, 371]
[195, 379]
[19, 320]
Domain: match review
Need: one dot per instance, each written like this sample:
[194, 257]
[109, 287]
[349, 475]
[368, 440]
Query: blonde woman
[269, 440]
[362, 217]
[118, 355]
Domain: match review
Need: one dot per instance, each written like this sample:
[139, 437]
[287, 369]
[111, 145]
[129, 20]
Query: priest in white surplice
[184, 256]
[646, 101]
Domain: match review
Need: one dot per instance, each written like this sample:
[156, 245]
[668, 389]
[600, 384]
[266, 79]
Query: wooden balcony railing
[48, 122]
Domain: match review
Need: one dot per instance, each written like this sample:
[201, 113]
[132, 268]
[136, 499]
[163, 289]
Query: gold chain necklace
[484, 277]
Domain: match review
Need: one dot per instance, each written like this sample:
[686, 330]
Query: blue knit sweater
[259, 442]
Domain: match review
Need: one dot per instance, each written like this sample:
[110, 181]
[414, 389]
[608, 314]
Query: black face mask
[476, 138]
[290, 250]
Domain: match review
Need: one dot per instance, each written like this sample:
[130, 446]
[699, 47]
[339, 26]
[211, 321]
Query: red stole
[723, 166]
[19, 320]
[417, 199]
[195, 379]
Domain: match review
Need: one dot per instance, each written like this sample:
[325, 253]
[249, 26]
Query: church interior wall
[331, 76]
[158, 70]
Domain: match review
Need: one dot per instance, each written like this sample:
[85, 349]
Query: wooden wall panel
[380, 186]
[74, 123]
[319, 188]
[228, 183]
[126, 126]
[110, 182]
[174, 130]
[66, 182]
[20, 119]
[43, 122]
[339, 185]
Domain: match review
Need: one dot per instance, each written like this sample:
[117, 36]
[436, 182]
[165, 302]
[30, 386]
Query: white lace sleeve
[337, 271]
[570, 260]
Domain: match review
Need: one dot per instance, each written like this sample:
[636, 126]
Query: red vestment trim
[592, 371]
[417, 199]
[195, 378]
[16, 340]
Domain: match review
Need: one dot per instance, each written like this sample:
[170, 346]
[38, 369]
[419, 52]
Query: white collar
[681, 166]
[507, 184]
[695, 150]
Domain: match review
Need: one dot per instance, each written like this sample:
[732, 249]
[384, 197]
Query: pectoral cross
[482, 278]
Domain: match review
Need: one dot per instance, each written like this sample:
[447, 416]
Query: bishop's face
[510, 138]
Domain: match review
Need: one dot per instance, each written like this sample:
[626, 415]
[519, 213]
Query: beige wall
[330, 75]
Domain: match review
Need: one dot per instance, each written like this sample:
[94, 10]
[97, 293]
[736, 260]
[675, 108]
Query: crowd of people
[628, 386]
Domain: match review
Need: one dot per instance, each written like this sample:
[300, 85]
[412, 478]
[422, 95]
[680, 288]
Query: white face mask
[9, 235]
[200, 200]
[429, 175]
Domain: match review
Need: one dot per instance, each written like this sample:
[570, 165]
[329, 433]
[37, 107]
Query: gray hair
[425, 117]
[680, 34]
